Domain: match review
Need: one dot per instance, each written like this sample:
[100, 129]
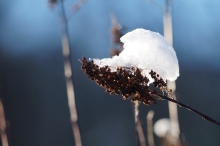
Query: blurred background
[32, 76]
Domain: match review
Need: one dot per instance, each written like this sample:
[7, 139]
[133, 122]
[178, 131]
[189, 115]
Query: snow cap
[148, 51]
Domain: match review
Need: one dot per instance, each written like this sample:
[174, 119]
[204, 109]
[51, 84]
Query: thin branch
[204, 116]
[68, 75]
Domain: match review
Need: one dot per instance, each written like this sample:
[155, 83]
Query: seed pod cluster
[128, 82]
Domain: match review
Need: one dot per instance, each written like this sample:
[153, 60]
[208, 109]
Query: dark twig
[204, 116]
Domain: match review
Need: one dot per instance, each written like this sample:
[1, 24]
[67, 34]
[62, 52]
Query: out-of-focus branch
[204, 116]
[68, 75]
[115, 23]
[4, 137]
[3, 125]
[139, 129]
[74, 7]
[150, 134]
[175, 130]
[168, 34]
[116, 32]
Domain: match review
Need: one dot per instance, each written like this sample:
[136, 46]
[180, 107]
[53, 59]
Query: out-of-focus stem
[136, 111]
[175, 130]
[168, 34]
[115, 22]
[150, 134]
[167, 18]
[68, 75]
[139, 128]
[3, 125]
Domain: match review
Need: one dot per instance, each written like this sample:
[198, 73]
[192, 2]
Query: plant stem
[204, 116]
[150, 134]
[168, 34]
[68, 75]
[3, 124]
[139, 129]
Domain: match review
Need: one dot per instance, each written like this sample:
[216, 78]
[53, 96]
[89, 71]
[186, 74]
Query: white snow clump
[145, 50]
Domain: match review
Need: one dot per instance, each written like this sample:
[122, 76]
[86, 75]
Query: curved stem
[204, 116]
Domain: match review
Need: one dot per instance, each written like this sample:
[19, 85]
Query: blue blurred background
[31, 70]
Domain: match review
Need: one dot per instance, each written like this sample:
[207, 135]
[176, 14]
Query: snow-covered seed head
[148, 51]
[147, 58]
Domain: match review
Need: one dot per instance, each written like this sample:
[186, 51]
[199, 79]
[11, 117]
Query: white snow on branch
[145, 50]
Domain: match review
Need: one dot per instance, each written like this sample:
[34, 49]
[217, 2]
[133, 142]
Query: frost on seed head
[148, 51]
[146, 58]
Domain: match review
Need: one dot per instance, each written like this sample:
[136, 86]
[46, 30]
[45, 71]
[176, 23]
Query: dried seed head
[129, 82]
